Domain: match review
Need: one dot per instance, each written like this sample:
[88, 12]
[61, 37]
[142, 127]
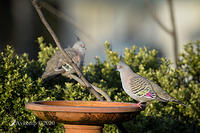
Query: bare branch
[65, 17]
[34, 2]
[155, 17]
[174, 33]
[104, 94]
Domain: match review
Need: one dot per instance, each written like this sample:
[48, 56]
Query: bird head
[122, 66]
[80, 46]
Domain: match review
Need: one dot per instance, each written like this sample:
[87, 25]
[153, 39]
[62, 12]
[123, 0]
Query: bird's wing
[74, 55]
[162, 94]
[54, 65]
[142, 87]
[51, 65]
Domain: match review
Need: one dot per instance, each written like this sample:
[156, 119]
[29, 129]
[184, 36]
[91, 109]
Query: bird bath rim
[83, 106]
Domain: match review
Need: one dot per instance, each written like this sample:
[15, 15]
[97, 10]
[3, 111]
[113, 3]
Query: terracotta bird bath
[84, 116]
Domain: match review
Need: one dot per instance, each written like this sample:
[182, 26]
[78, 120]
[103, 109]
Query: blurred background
[120, 22]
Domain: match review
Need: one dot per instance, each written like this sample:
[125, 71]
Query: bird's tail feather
[174, 100]
[180, 103]
[161, 99]
[44, 76]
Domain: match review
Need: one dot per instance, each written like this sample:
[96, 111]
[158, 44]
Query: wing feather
[142, 87]
[54, 65]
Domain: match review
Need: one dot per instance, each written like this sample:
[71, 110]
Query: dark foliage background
[20, 82]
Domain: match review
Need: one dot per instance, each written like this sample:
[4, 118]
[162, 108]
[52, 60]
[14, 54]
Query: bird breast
[125, 78]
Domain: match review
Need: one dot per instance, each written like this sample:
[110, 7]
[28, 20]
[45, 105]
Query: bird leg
[66, 71]
[67, 67]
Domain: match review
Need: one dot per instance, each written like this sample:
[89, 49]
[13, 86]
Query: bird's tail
[176, 101]
[172, 100]
[45, 75]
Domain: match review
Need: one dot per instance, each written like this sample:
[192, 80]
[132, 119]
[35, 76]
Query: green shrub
[20, 82]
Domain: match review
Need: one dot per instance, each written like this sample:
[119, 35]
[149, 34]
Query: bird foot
[69, 75]
[66, 74]
[139, 105]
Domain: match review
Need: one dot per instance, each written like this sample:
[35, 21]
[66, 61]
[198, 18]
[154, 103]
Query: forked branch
[155, 17]
[104, 94]
[70, 61]
[173, 32]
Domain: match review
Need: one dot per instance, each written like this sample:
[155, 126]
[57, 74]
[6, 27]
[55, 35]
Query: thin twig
[174, 33]
[65, 17]
[70, 61]
[155, 17]
[104, 94]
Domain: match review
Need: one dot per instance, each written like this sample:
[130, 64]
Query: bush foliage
[20, 82]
